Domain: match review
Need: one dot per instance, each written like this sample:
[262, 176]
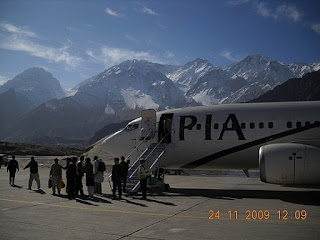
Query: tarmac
[196, 207]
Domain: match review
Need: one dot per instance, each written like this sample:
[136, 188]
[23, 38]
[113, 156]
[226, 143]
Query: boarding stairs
[152, 156]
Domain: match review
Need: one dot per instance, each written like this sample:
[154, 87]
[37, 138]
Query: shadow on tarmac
[98, 199]
[85, 202]
[298, 197]
[84, 199]
[40, 191]
[157, 201]
[135, 203]
[161, 202]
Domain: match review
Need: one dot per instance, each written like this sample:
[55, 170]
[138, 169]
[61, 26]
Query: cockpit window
[131, 127]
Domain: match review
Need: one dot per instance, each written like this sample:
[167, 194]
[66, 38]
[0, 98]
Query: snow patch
[136, 99]
[71, 92]
[205, 99]
[109, 110]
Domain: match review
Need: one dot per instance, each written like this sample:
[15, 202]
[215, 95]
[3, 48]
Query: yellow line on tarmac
[158, 214]
[103, 210]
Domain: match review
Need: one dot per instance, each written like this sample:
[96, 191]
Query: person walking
[117, 175]
[98, 171]
[89, 177]
[12, 167]
[143, 174]
[56, 175]
[34, 173]
[125, 167]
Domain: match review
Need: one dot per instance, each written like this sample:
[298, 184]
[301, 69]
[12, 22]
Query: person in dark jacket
[80, 174]
[125, 167]
[12, 167]
[34, 172]
[117, 175]
[89, 177]
[71, 178]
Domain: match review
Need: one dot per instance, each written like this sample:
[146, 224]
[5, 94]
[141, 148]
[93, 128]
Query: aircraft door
[148, 124]
[165, 127]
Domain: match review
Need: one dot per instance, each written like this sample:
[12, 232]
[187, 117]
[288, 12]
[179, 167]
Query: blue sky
[75, 40]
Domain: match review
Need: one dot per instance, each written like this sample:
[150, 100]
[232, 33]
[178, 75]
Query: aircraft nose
[110, 143]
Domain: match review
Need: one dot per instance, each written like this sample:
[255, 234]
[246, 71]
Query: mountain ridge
[122, 91]
[36, 84]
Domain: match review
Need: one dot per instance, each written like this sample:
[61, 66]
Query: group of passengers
[75, 171]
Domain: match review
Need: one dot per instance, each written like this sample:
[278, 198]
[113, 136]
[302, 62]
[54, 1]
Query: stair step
[152, 155]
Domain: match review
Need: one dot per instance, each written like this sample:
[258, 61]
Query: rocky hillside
[306, 88]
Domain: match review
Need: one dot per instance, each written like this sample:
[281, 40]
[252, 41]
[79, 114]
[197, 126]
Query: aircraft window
[128, 128]
[243, 125]
[252, 125]
[298, 125]
[216, 126]
[289, 124]
[307, 124]
[135, 126]
[131, 127]
[270, 124]
[261, 125]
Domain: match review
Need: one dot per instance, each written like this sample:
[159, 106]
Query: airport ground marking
[150, 214]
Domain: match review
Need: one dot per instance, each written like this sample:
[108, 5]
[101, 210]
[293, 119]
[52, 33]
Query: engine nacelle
[290, 164]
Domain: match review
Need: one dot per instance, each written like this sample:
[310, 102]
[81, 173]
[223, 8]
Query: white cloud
[228, 55]
[163, 27]
[112, 13]
[73, 29]
[17, 30]
[288, 11]
[263, 9]
[110, 56]
[316, 28]
[237, 2]
[169, 54]
[20, 40]
[149, 11]
[131, 38]
[3, 79]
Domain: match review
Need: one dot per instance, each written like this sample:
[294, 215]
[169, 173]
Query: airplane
[281, 139]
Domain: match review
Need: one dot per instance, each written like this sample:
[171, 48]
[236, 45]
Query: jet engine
[290, 164]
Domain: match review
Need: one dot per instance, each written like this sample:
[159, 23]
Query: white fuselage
[223, 136]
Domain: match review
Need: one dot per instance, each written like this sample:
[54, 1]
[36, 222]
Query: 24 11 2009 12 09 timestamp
[258, 215]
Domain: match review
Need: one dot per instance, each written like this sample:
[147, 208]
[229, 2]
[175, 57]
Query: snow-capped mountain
[187, 75]
[131, 85]
[36, 84]
[122, 91]
[245, 80]
[115, 95]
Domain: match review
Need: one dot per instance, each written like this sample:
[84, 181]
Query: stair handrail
[135, 148]
[158, 145]
[137, 160]
[155, 161]
[149, 153]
